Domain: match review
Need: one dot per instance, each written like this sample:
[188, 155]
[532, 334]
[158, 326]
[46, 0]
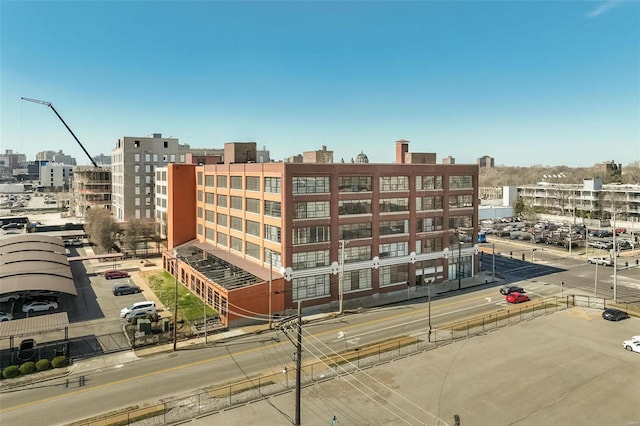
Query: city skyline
[528, 83]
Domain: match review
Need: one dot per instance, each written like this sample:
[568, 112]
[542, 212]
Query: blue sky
[527, 82]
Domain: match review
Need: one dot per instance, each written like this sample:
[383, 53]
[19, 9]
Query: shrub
[43, 364]
[10, 371]
[27, 368]
[59, 361]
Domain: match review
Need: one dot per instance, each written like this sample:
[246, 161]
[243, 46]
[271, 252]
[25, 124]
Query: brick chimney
[402, 147]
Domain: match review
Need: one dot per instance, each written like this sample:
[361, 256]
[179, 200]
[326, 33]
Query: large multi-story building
[590, 200]
[91, 189]
[252, 239]
[133, 163]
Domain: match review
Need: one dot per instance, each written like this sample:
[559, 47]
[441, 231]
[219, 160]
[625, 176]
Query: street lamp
[459, 263]
[429, 303]
[341, 277]
[270, 294]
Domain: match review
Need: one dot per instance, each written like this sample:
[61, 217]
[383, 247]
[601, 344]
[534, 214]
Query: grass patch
[190, 306]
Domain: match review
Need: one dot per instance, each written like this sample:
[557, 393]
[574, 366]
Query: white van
[148, 307]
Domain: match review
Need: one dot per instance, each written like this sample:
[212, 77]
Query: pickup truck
[600, 261]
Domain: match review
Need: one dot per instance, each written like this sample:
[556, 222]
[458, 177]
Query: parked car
[39, 306]
[148, 307]
[516, 298]
[12, 226]
[600, 261]
[113, 274]
[632, 344]
[5, 316]
[12, 297]
[612, 314]
[137, 315]
[120, 289]
[26, 350]
[511, 289]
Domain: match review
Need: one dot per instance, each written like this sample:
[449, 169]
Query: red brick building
[372, 227]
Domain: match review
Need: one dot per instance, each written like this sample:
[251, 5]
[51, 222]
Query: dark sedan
[611, 314]
[507, 289]
[121, 289]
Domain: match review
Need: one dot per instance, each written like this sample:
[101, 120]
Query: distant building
[362, 158]
[102, 160]
[486, 162]
[318, 157]
[55, 177]
[10, 161]
[610, 169]
[449, 160]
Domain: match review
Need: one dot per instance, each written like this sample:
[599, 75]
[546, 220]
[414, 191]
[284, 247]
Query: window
[222, 181]
[394, 183]
[394, 249]
[147, 158]
[272, 257]
[394, 227]
[136, 169]
[309, 287]
[428, 182]
[310, 234]
[252, 228]
[222, 239]
[208, 180]
[155, 158]
[236, 203]
[209, 215]
[394, 205]
[355, 184]
[394, 274]
[209, 233]
[236, 182]
[136, 157]
[460, 201]
[236, 223]
[209, 198]
[429, 203]
[166, 144]
[347, 207]
[430, 245]
[429, 224]
[199, 178]
[199, 229]
[353, 231]
[272, 185]
[253, 183]
[253, 205]
[311, 259]
[236, 244]
[252, 250]
[200, 212]
[136, 144]
[460, 221]
[310, 185]
[222, 219]
[311, 209]
[272, 233]
[272, 208]
[222, 200]
[460, 182]
[356, 280]
[199, 195]
[356, 254]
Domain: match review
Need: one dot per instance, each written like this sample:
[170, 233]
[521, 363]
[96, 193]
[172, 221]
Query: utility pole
[615, 258]
[175, 306]
[493, 273]
[341, 278]
[270, 293]
[299, 365]
[429, 303]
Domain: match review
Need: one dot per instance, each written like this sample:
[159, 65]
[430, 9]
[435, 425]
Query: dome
[362, 158]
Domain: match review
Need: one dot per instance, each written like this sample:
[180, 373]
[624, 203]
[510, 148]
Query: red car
[516, 297]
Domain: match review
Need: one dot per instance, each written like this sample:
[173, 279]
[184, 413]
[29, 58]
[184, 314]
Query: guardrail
[336, 364]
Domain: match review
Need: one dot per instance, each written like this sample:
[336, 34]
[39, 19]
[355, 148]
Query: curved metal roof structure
[31, 262]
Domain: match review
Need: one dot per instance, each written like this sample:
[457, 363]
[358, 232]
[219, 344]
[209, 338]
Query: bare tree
[102, 229]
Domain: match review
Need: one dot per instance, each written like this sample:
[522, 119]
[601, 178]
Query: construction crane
[65, 125]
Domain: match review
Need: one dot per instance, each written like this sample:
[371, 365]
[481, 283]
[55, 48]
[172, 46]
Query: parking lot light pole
[459, 263]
